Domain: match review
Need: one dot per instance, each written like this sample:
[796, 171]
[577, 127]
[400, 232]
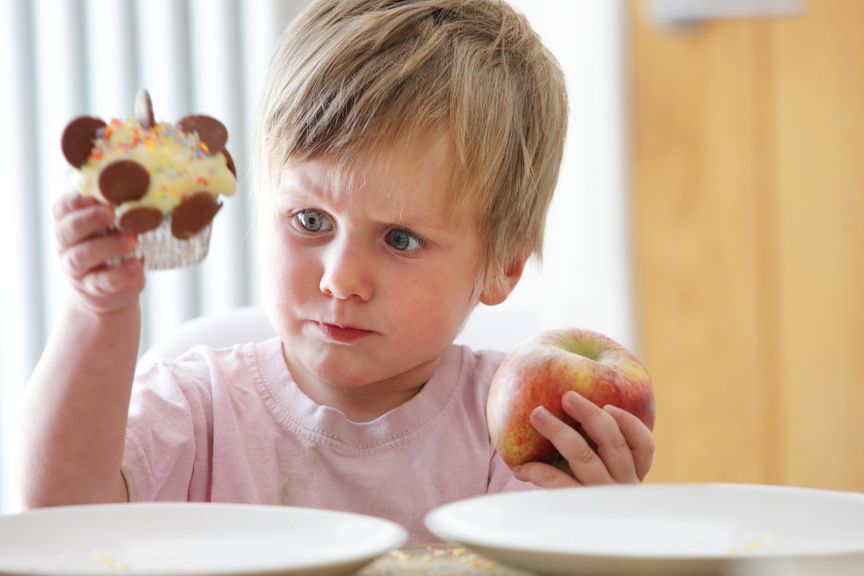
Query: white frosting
[178, 163]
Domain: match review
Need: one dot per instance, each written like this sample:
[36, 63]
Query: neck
[364, 402]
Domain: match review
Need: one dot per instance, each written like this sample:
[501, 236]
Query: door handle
[686, 13]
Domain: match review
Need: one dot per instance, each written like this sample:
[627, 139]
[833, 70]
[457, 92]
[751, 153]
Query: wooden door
[748, 196]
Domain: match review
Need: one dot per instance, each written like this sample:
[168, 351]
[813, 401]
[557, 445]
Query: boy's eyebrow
[414, 222]
[302, 188]
[400, 220]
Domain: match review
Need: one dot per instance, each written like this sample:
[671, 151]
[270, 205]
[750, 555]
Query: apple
[545, 366]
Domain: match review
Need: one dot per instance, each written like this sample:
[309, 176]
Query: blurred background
[708, 214]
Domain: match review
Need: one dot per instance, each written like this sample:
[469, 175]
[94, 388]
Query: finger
[585, 464]
[604, 431]
[81, 224]
[639, 438]
[71, 201]
[127, 278]
[544, 475]
[85, 257]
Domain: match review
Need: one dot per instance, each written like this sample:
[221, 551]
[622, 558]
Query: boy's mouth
[342, 333]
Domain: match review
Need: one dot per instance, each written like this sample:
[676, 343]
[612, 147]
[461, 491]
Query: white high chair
[217, 330]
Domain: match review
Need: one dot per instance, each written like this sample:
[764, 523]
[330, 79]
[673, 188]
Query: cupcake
[164, 180]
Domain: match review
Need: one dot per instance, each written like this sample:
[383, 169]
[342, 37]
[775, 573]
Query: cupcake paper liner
[162, 251]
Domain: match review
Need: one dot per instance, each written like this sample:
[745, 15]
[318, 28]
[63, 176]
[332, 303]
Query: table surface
[437, 560]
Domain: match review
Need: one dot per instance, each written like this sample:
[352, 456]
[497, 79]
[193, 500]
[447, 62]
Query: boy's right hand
[86, 239]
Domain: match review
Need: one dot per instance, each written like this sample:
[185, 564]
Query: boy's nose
[347, 273]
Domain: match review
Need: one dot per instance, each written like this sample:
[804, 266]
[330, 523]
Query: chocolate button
[210, 131]
[229, 161]
[78, 137]
[140, 220]
[193, 214]
[123, 181]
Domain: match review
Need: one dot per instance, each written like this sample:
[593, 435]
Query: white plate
[692, 530]
[183, 539]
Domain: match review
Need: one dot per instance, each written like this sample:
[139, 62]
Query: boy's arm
[76, 407]
[78, 397]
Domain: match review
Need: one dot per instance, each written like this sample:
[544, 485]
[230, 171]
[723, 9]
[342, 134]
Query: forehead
[412, 178]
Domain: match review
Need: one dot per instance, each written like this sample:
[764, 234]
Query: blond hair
[353, 75]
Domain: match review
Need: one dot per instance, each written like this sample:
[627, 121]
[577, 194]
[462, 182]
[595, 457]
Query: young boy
[406, 156]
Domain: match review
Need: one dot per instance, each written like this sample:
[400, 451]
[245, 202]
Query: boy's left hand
[624, 446]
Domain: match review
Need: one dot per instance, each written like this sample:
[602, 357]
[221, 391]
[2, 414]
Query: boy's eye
[403, 240]
[313, 221]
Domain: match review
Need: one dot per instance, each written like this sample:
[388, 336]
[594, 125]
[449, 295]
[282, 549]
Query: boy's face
[368, 282]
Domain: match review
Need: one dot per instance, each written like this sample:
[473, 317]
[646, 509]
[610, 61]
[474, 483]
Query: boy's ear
[497, 290]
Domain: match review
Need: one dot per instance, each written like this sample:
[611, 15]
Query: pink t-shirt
[231, 425]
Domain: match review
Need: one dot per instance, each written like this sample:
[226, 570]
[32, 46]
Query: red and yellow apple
[541, 369]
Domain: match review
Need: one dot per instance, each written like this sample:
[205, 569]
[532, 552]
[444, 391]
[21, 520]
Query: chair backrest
[217, 330]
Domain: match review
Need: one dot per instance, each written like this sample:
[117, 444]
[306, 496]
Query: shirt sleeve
[168, 431]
